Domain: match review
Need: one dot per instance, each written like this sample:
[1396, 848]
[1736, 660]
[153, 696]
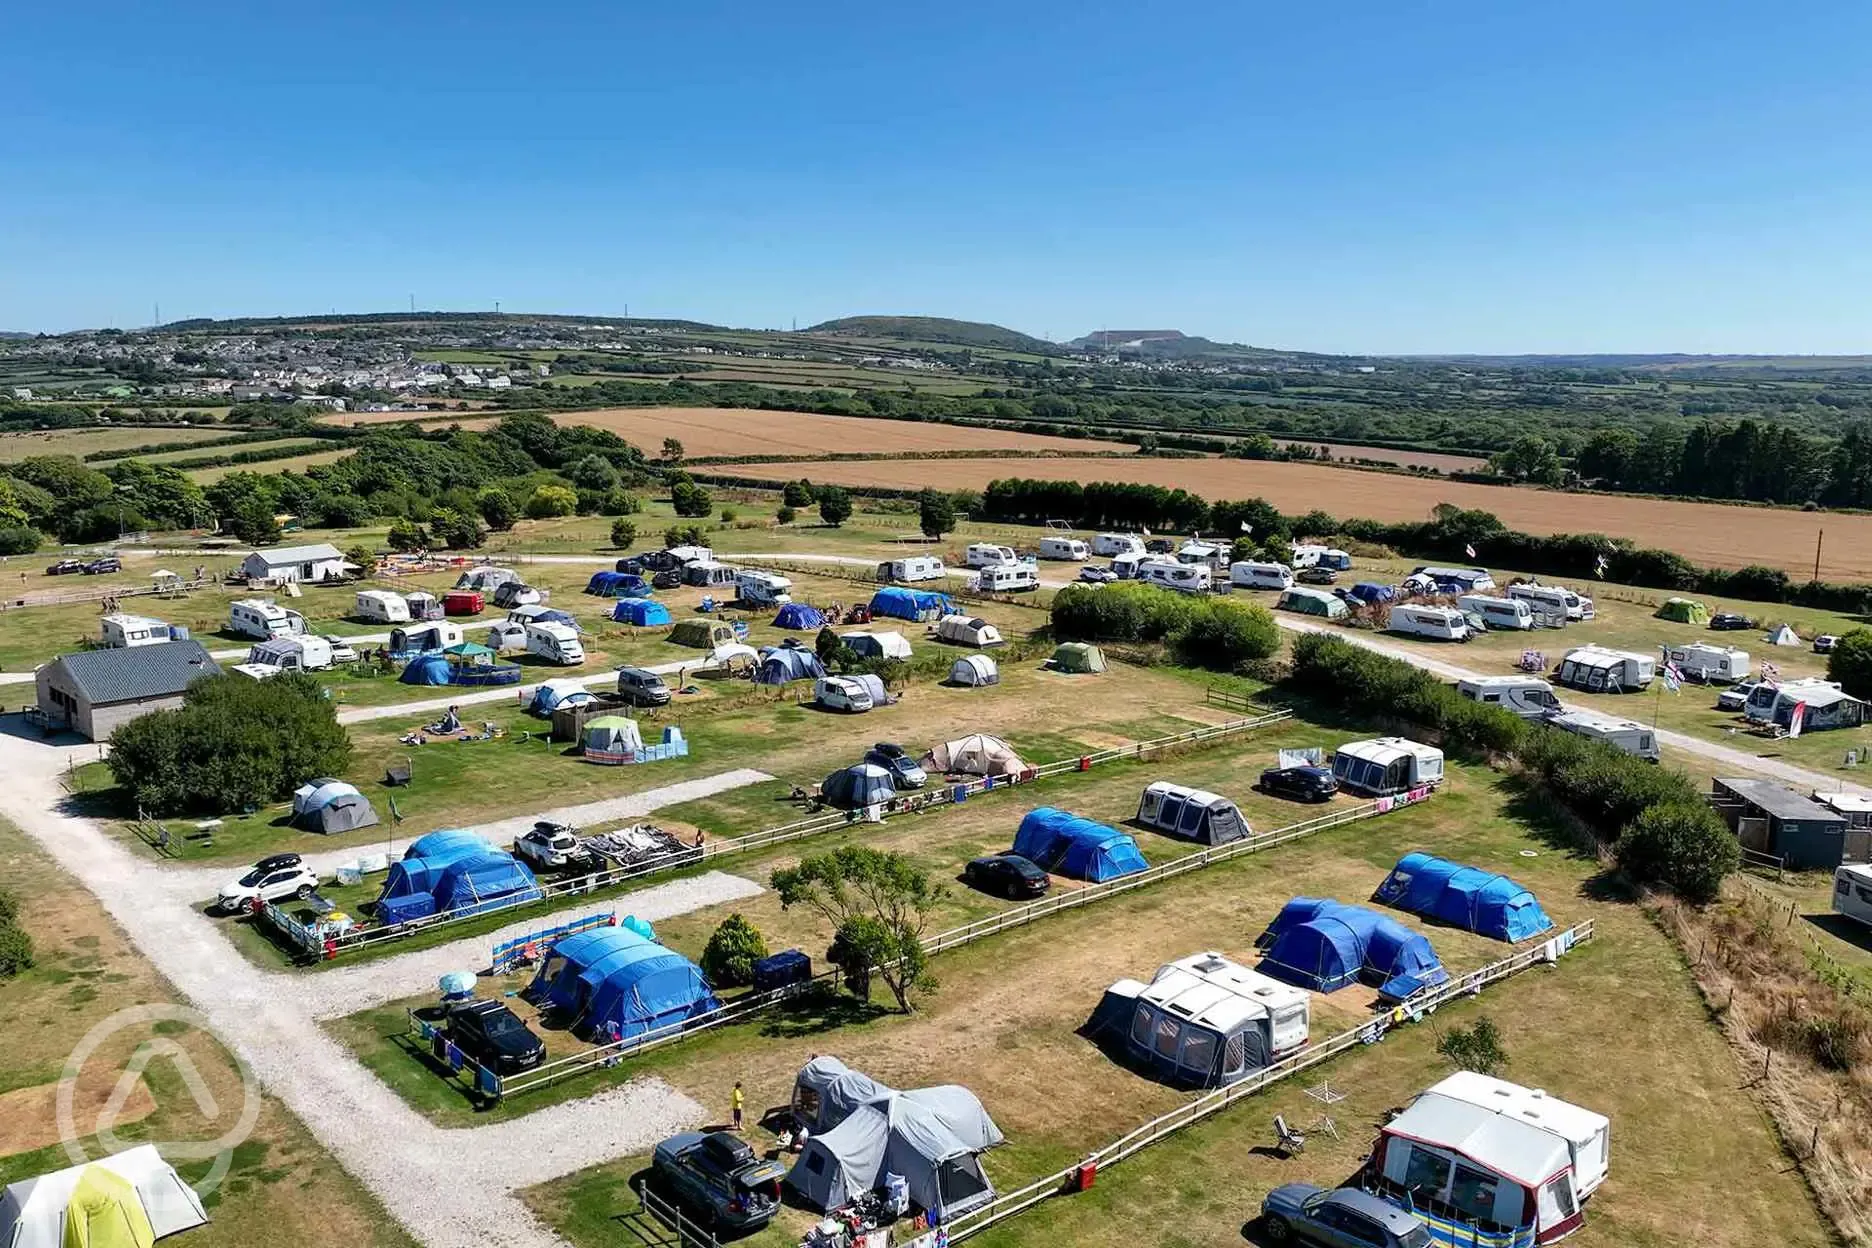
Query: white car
[1097, 576]
[342, 650]
[270, 879]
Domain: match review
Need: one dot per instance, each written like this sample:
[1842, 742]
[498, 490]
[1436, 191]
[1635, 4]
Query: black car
[1159, 546]
[1007, 875]
[668, 578]
[649, 561]
[1316, 575]
[1302, 784]
[98, 567]
[494, 1036]
[65, 567]
[1729, 622]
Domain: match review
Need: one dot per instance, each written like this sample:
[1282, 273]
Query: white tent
[973, 670]
[881, 645]
[1783, 635]
[976, 755]
[966, 631]
[33, 1211]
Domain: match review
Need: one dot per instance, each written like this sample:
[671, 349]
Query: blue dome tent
[1325, 945]
[427, 669]
[911, 604]
[799, 615]
[451, 871]
[553, 694]
[1065, 844]
[617, 585]
[642, 612]
[1466, 897]
[612, 980]
[781, 664]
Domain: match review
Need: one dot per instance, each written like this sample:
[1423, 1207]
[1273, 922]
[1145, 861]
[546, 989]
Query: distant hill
[1126, 337]
[388, 319]
[936, 329]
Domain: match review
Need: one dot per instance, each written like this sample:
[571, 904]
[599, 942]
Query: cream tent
[1784, 636]
[966, 631]
[125, 1201]
[977, 755]
[973, 670]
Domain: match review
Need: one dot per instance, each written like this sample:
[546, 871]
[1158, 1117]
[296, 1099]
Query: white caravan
[762, 588]
[1070, 549]
[1185, 578]
[1761, 704]
[1117, 544]
[307, 653]
[1703, 662]
[120, 632]
[989, 555]
[1526, 696]
[686, 555]
[1205, 554]
[260, 619]
[1599, 670]
[1125, 567]
[1556, 601]
[910, 571]
[1628, 735]
[1248, 574]
[380, 606]
[1310, 555]
[1435, 623]
[555, 642]
[1509, 613]
[1852, 892]
[709, 574]
[1005, 579]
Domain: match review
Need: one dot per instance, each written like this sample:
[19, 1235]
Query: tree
[19, 541]
[878, 902]
[408, 535]
[682, 535]
[497, 508]
[1682, 845]
[1477, 1047]
[798, 493]
[594, 472]
[1226, 636]
[363, 557]
[341, 511]
[551, 500]
[456, 530]
[672, 450]
[936, 513]
[786, 515]
[1530, 458]
[13, 513]
[252, 522]
[833, 651]
[1851, 662]
[690, 499]
[732, 951]
[623, 533]
[835, 504]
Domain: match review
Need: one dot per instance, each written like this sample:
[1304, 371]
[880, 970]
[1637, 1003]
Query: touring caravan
[260, 619]
[1125, 567]
[1599, 670]
[1203, 554]
[1553, 602]
[709, 574]
[555, 642]
[1702, 662]
[1117, 544]
[306, 653]
[1434, 623]
[1458, 580]
[1067, 548]
[1852, 892]
[1185, 578]
[1006, 578]
[1248, 574]
[121, 632]
[380, 606]
[912, 570]
[426, 638]
[1587, 1134]
[1526, 696]
[1499, 613]
[1386, 766]
[989, 555]
[1204, 1021]
[1632, 737]
[762, 589]
[1309, 555]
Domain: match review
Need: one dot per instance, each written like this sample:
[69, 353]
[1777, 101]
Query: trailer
[1628, 735]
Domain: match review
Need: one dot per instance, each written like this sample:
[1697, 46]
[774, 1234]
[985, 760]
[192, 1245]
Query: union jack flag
[1769, 671]
[1673, 678]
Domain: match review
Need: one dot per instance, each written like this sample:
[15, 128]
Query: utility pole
[412, 305]
[1819, 538]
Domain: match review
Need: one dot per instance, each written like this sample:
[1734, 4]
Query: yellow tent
[104, 1211]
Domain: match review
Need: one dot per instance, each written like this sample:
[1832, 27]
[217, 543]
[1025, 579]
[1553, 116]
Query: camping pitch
[1065, 844]
[1325, 945]
[1465, 897]
[124, 1201]
[614, 983]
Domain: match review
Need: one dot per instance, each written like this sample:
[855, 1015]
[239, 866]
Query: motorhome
[1203, 554]
[258, 618]
[1185, 578]
[1459, 580]
[1006, 579]
[305, 653]
[1117, 544]
[1526, 696]
[1852, 892]
[762, 589]
[1498, 613]
[1702, 662]
[1247, 574]
[1628, 735]
[912, 570]
[1309, 555]
[121, 632]
[709, 574]
[1599, 670]
[989, 555]
[1125, 567]
[1555, 603]
[1068, 548]
[1434, 623]
[380, 606]
[555, 642]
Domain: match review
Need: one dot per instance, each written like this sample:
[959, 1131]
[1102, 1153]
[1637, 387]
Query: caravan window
[1141, 1025]
[1426, 1172]
[1192, 816]
[1562, 1193]
[1168, 1032]
[1234, 1054]
[1199, 1050]
[1473, 1192]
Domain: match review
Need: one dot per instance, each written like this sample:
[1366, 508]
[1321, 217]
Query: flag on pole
[1599, 567]
[1673, 678]
[1246, 527]
[1796, 718]
[1470, 551]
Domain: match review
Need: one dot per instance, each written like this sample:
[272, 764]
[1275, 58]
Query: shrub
[9, 908]
[341, 511]
[1226, 637]
[682, 535]
[1684, 846]
[619, 501]
[16, 950]
[786, 515]
[1477, 1047]
[835, 504]
[551, 500]
[457, 530]
[408, 535]
[798, 493]
[733, 949]
[497, 508]
[728, 515]
[1851, 662]
[690, 499]
[19, 541]
[623, 533]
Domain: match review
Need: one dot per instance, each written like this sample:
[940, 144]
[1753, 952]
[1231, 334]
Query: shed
[94, 692]
[1386, 766]
[121, 1201]
[321, 562]
[1464, 897]
[1770, 818]
[329, 806]
[975, 755]
[966, 630]
[703, 634]
[919, 606]
[1325, 945]
[1304, 601]
[800, 615]
[642, 612]
[1062, 843]
[1192, 814]
[878, 645]
[972, 671]
[614, 982]
[854, 788]
[1204, 1021]
[1683, 611]
[780, 665]
[1077, 656]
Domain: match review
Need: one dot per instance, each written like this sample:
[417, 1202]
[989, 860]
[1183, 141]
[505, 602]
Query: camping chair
[1287, 1141]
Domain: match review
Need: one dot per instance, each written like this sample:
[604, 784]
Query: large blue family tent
[617, 585]
[1466, 897]
[799, 615]
[427, 669]
[1325, 945]
[642, 612]
[452, 872]
[612, 981]
[911, 604]
[1064, 844]
[781, 664]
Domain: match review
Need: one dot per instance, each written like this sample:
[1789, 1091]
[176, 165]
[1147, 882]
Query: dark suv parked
[1302, 784]
[98, 567]
[1007, 875]
[494, 1036]
[719, 1178]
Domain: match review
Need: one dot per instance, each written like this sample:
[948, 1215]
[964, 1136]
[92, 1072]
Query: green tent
[1312, 602]
[702, 634]
[1077, 656]
[106, 1212]
[469, 654]
[1683, 611]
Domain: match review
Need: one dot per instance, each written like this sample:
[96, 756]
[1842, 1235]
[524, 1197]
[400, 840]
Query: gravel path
[448, 1188]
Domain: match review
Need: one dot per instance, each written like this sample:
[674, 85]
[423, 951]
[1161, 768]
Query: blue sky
[1353, 177]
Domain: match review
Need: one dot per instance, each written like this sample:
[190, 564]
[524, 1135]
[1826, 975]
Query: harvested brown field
[1707, 533]
[1439, 460]
[749, 431]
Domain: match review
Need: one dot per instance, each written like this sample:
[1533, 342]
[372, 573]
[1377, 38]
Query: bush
[1227, 637]
[732, 951]
[682, 535]
[835, 504]
[623, 533]
[1477, 1047]
[728, 515]
[619, 501]
[549, 501]
[1684, 846]
[786, 515]
[797, 494]
[341, 511]
[690, 499]
[456, 530]
[1851, 662]
[1334, 670]
[497, 508]
[408, 535]
[19, 541]
[16, 950]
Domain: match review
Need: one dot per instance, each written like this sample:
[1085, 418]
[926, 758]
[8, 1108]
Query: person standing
[737, 1102]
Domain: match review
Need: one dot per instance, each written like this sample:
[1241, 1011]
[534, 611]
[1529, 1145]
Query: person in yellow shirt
[737, 1101]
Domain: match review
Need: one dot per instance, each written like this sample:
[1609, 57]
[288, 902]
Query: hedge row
[1213, 633]
[1659, 827]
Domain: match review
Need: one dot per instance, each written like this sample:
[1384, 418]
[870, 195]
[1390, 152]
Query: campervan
[120, 632]
[762, 589]
[912, 570]
[989, 555]
[1185, 578]
[1458, 580]
[709, 574]
[1248, 574]
[1005, 579]
[258, 618]
[1702, 662]
[1068, 548]
[1498, 613]
[1203, 554]
[1852, 892]
[1308, 555]
[380, 606]
[842, 693]
[1526, 696]
[1125, 567]
[306, 653]
[1117, 544]
[1599, 670]
[1556, 602]
[1434, 623]
[1634, 738]
[555, 642]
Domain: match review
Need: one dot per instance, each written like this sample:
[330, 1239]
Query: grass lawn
[82, 442]
[282, 1187]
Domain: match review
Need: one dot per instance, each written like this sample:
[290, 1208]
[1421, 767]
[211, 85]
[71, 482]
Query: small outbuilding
[614, 983]
[963, 630]
[1465, 897]
[1324, 945]
[1683, 611]
[976, 755]
[328, 806]
[972, 671]
[800, 615]
[1077, 657]
[1192, 814]
[94, 692]
[1062, 843]
[641, 612]
[1772, 819]
[321, 562]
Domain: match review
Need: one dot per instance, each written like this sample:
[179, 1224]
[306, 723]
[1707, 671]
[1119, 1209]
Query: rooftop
[1775, 799]
[299, 554]
[139, 672]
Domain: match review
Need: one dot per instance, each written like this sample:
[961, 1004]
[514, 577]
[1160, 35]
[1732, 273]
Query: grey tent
[826, 1091]
[328, 806]
[931, 1137]
[1192, 814]
[857, 787]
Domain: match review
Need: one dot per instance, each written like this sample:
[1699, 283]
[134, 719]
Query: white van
[258, 618]
[1628, 735]
[307, 653]
[1185, 578]
[709, 574]
[842, 693]
[555, 642]
[1435, 623]
[121, 632]
[1702, 662]
[1555, 601]
[1117, 544]
[1527, 696]
[1251, 575]
[1068, 548]
[1125, 567]
[380, 606]
[989, 555]
[912, 570]
[762, 588]
[1852, 892]
[1005, 579]
[1498, 612]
